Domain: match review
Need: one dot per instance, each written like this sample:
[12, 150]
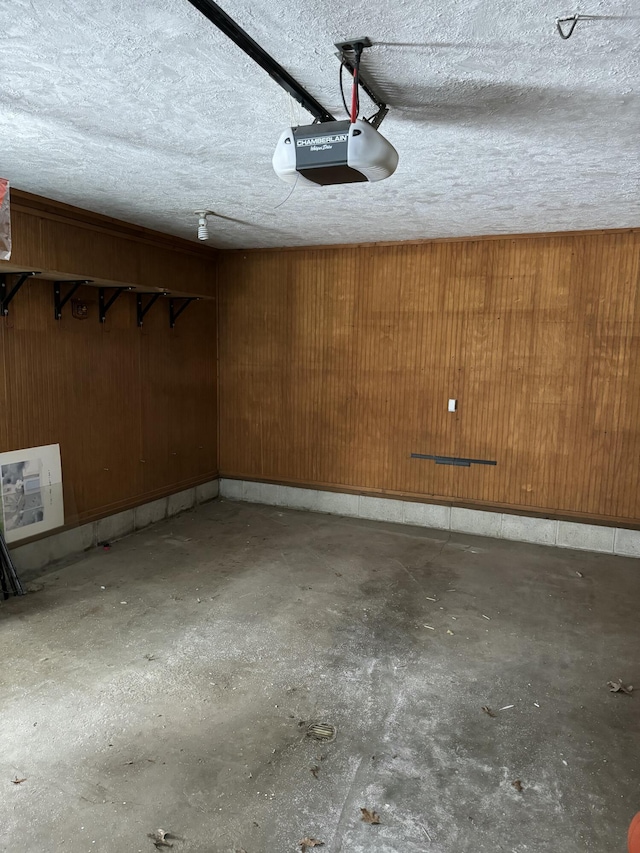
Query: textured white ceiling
[146, 112]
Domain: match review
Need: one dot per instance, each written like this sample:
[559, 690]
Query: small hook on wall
[572, 20]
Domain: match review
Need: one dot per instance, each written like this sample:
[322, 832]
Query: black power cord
[344, 101]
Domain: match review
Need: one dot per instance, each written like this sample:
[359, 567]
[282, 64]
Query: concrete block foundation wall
[517, 528]
[35, 556]
[32, 558]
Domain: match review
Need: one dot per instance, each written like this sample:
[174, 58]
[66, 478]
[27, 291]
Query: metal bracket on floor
[104, 304]
[142, 309]
[173, 314]
[59, 300]
[5, 298]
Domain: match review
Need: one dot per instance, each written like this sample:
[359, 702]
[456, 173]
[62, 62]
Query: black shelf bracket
[5, 298]
[142, 309]
[104, 304]
[173, 314]
[59, 300]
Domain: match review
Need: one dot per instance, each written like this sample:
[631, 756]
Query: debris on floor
[370, 816]
[488, 710]
[307, 843]
[580, 575]
[322, 731]
[17, 781]
[619, 687]
[159, 838]
[315, 770]
[517, 784]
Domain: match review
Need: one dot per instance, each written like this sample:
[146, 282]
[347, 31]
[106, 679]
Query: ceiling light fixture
[203, 225]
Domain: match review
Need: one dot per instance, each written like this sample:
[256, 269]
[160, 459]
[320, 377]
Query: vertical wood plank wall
[134, 410]
[337, 363]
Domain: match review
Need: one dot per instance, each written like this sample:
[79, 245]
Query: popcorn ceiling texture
[146, 112]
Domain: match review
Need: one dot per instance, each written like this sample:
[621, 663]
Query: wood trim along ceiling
[383, 244]
[46, 208]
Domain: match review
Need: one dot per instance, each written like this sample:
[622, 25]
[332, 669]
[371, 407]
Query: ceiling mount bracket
[60, 301]
[349, 53]
[104, 304]
[141, 309]
[5, 298]
[174, 314]
[354, 45]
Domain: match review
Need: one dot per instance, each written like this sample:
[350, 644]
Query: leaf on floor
[17, 781]
[159, 838]
[488, 710]
[315, 769]
[370, 816]
[518, 786]
[307, 843]
[619, 687]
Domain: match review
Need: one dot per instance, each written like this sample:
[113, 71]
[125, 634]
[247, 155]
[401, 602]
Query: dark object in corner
[8, 572]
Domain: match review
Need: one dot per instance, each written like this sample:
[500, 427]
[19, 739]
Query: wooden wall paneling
[164, 267]
[110, 394]
[55, 245]
[26, 238]
[178, 434]
[74, 385]
[4, 390]
[612, 402]
[52, 236]
[336, 364]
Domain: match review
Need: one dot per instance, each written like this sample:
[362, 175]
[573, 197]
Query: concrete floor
[162, 684]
